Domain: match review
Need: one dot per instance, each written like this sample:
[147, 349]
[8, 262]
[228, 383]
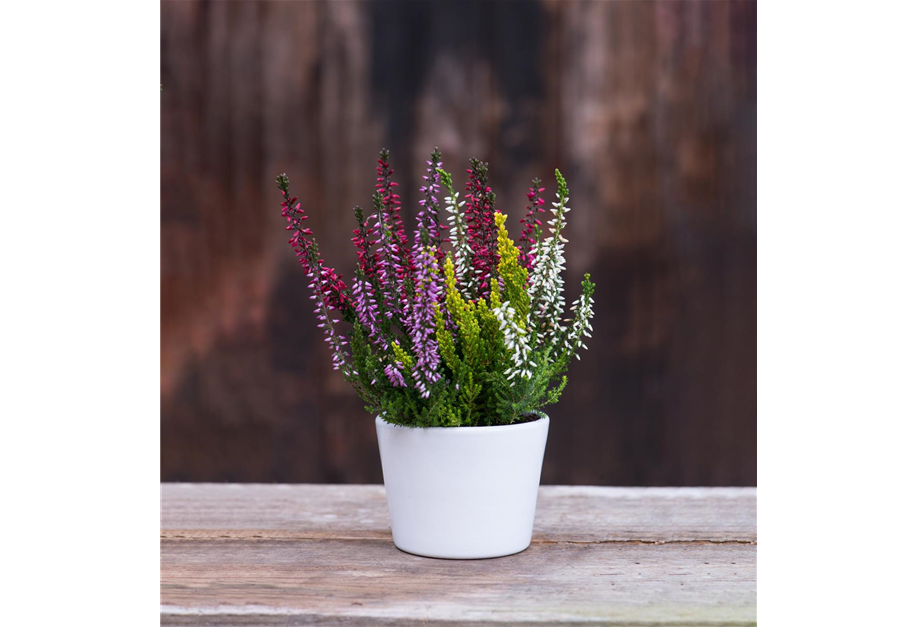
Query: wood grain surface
[312, 554]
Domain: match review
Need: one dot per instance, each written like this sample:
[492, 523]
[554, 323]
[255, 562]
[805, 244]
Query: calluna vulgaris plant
[466, 337]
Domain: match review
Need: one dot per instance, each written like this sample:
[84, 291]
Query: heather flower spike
[582, 314]
[547, 285]
[363, 241]
[391, 211]
[390, 271]
[461, 331]
[458, 235]
[531, 224]
[479, 217]
[423, 324]
[367, 310]
[428, 226]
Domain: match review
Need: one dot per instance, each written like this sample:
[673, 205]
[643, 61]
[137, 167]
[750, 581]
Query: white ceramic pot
[462, 492]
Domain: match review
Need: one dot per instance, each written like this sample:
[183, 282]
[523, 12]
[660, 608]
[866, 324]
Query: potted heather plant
[457, 341]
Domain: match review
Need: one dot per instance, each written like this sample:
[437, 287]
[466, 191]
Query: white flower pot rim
[468, 430]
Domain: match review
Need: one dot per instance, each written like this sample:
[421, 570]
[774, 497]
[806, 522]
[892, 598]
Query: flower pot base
[463, 557]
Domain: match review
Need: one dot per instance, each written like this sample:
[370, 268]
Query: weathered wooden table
[322, 554]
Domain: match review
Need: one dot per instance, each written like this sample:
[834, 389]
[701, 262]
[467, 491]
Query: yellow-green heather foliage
[401, 355]
[495, 300]
[462, 314]
[515, 277]
[445, 341]
[490, 348]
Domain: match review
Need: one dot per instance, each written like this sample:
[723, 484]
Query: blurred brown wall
[648, 108]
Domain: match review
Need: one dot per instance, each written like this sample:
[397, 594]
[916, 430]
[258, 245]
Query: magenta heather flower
[391, 201]
[531, 224]
[363, 241]
[292, 210]
[422, 327]
[482, 234]
[328, 289]
[326, 321]
[334, 290]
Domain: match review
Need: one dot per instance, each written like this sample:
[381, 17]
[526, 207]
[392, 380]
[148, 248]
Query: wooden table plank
[565, 513]
[302, 555]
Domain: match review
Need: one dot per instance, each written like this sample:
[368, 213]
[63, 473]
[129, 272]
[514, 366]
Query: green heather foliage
[467, 330]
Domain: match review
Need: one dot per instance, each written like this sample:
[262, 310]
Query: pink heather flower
[531, 223]
[334, 290]
[422, 327]
[394, 375]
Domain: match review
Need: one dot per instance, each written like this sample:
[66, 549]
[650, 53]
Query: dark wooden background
[648, 108]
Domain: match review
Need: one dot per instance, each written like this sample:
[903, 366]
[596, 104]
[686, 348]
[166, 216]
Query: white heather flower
[547, 285]
[459, 237]
[581, 327]
[517, 341]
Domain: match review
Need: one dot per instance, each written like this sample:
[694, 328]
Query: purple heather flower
[336, 342]
[429, 230]
[389, 263]
[422, 327]
[394, 375]
[366, 308]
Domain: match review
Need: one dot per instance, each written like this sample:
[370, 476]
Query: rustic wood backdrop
[648, 108]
